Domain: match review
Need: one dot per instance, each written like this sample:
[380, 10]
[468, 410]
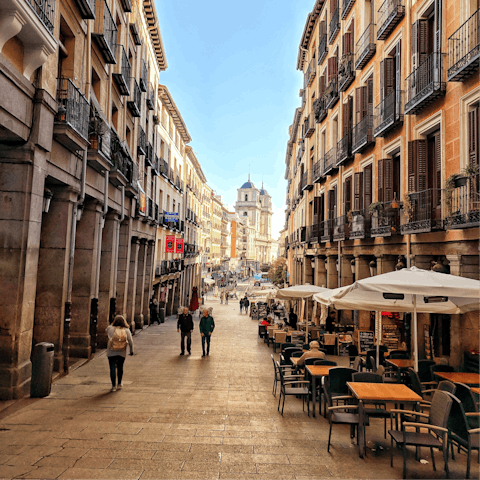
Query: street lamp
[47, 198]
[352, 266]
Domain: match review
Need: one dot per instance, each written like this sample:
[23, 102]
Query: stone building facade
[388, 123]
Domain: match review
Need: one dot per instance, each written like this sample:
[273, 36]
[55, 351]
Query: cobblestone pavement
[188, 417]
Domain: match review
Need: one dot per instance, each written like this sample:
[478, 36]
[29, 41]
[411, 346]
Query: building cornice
[168, 101]
[155, 35]
[193, 158]
[307, 33]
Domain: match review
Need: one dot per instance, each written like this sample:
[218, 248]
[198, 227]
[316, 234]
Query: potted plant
[375, 207]
[471, 170]
[407, 207]
[96, 128]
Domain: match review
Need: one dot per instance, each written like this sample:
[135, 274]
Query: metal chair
[353, 354]
[335, 385]
[325, 362]
[294, 387]
[288, 374]
[436, 424]
[469, 404]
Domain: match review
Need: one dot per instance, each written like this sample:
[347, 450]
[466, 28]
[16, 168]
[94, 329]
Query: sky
[232, 74]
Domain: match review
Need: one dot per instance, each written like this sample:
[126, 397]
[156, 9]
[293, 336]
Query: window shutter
[345, 125]
[387, 179]
[380, 181]
[367, 186]
[389, 75]
[347, 43]
[316, 210]
[321, 86]
[369, 97]
[474, 136]
[398, 74]
[382, 78]
[358, 191]
[321, 209]
[360, 102]
[417, 165]
[323, 28]
[422, 41]
[332, 202]
[352, 37]
[437, 161]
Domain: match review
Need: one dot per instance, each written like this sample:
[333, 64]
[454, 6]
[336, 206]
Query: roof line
[155, 35]
[168, 101]
[196, 163]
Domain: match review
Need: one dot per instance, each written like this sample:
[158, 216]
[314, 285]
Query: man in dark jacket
[206, 328]
[246, 303]
[185, 325]
[292, 317]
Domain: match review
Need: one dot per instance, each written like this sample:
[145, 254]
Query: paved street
[188, 417]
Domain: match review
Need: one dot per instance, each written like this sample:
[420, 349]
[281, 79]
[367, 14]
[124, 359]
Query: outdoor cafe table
[317, 371]
[400, 364]
[467, 378]
[396, 393]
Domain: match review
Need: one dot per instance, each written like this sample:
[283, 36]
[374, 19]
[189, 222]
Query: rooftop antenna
[248, 172]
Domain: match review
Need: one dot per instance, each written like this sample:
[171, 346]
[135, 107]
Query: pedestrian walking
[221, 296]
[206, 329]
[241, 305]
[246, 303]
[118, 337]
[226, 297]
[153, 310]
[185, 326]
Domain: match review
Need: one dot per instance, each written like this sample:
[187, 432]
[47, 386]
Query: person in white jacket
[119, 336]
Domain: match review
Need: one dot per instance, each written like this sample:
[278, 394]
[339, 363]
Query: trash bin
[162, 315]
[42, 369]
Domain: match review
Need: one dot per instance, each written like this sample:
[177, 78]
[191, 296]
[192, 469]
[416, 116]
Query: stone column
[176, 295]
[138, 303]
[422, 261]
[107, 275]
[123, 267]
[149, 276]
[84, 273]
[386, 263]
[347, 275]
[308, 278]
[53, 272]
[455, 262]
[132, 282]
[320, 272]
[332, 274]
[362, 268]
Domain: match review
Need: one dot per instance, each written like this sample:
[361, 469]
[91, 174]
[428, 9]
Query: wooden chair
[279, 337]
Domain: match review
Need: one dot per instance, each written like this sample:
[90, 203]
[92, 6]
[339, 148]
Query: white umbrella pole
[378, 320]
[415, 340]
[306, 320]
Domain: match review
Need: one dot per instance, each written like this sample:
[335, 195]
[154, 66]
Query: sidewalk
[188, 417]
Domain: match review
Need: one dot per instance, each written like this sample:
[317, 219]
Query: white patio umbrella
[301, 292]
[407, 290]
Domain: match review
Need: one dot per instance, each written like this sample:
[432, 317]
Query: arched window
[246, 197]
[245, 214]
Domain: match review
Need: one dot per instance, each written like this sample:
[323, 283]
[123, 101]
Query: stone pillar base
[80, 346]
[15, 382]
[139, 323]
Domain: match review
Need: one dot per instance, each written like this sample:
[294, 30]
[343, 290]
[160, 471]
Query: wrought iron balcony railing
[122, 72]
[346, 8]
[87, 8]
[464, 49]
[425, 83]
[334, 26]
[73, 107]
[362, 134]
[385, 220]
[156, 165]
[422, 212]
[326, 230]
[389, 14]
[150, 97]
[331, 93]
[320, 109]
[388, 113]
[346, 72]
[164, 168]
[341, 228]
[330, 160]
[310, 73]
[359, 221]
[144, 77]
[313, 233]
[366, 47]
[142, 142]
[135, 99]
[462, 205]
[344, 149]
[127, 168]
[105, 31]
[45, 11]
[127, 5]
[303, 234]
[149, 155]
[308, 128]
[322, 48]
[317, 171]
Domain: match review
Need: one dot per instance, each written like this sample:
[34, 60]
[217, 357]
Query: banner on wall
[179, 245]
[170, 244]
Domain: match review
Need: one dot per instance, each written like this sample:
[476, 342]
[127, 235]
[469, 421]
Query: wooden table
[467, 378]
[380, 392]
[317, 371]
[400, 364]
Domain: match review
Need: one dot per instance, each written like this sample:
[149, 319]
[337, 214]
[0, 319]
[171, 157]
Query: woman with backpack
[118, 337]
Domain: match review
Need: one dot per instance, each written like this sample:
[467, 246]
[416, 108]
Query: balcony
[423, 213]
[389, 15]
[313, 233]
[388, 113]
[462, 206]
[149, 155]
[135, 35]
[135, 99]
[124, 172]
[144, 77]
[308, 128]
[302, 234]
[359, 224]
[346, 8]
[326, 231]
[334, 26]
[317, 171]
[105, 31]
[305, 182]
[122, 74]
[346, 72]
[322, 48]
[142, 142]
[331, 93]
[425, 84]
[127, 5]
[150, 97]
[150, 209]
[156, 166]
[344, 149]
[310, 73]
[464, 50]
[341, 228]
[362, 135]
[87, 8]
[366, 47]
[103, 144]
[71, 122]
[330, 161]
[385, 220]
[320, 109]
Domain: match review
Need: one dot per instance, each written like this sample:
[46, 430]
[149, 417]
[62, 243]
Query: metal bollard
[42, 370]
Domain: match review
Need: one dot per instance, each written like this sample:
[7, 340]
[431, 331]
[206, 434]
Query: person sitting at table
[265, 322]
[314, 352]
[292, 320]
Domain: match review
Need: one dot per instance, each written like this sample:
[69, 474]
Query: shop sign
[170, 244]
[171, 216]
[179, 245]
[143, 203]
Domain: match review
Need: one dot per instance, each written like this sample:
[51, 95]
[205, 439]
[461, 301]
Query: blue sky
[232, 73]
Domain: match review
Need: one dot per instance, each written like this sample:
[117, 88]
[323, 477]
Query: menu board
[365, 340]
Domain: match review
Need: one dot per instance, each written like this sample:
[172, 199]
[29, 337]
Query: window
[388, 178]
[332, 202]
[426, 37]
[424, 163]
[390, 72]
[115, 116]
[96, 84]
[347, 195]
[364, 100]
[348, 40]
[246, 197]
[347, 113]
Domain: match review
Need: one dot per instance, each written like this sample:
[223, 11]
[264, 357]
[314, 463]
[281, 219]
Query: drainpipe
[113, 300]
